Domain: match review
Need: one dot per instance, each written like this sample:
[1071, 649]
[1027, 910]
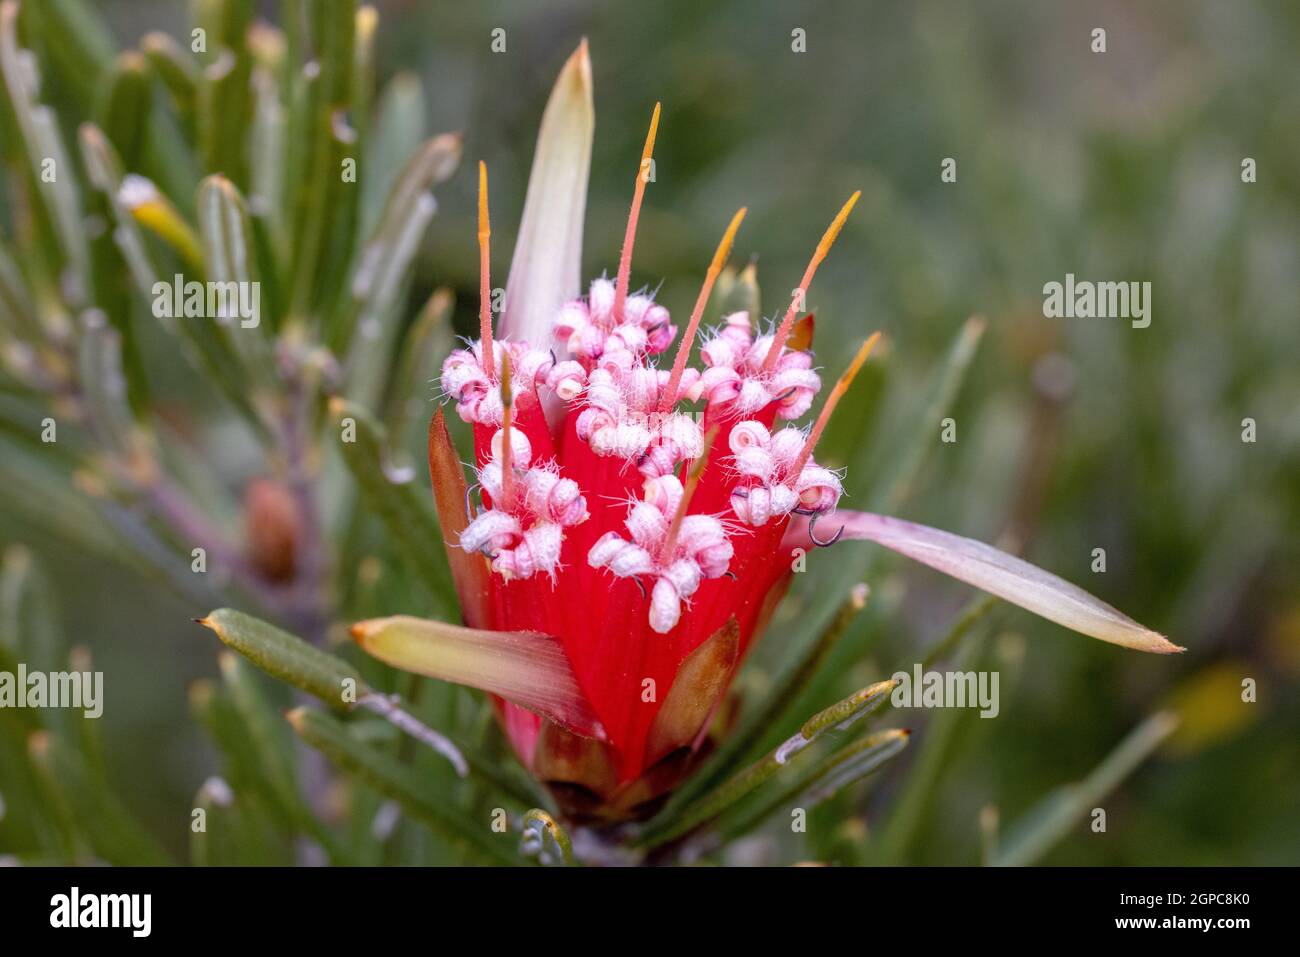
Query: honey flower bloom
[636, 516]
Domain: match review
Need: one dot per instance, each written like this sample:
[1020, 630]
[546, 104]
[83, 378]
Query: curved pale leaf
[545, 271]
[1000, 574]
[525, 667]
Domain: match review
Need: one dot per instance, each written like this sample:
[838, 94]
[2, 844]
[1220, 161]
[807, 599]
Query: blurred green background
[1072, 434]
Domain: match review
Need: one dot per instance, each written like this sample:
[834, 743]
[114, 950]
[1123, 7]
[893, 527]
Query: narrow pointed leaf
[237, 832]
[387, 256]
[267, 159]
[527, 668]
[545, 271]
[286, 656]
[128, 101]
[79, 41]
[1050, 821]
[230, 256]
[100, 366]
[1006, 576]
[135, 202]
[40, 134]
[910, 809]
[766, 715]
[223, 114]
[28, 623]
[909, 458]
[332, 680]
[968, 618]
[839, 716]
[423, 346]
[397, 132]
[262, 730]
[17, 312]
[175, 68]
[398, 781]
[104, 822]
[833, 773]
[399, 503]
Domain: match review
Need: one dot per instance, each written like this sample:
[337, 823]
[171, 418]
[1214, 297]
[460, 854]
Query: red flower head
[636, 518]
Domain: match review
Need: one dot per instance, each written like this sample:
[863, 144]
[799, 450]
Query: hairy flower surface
[636, 514]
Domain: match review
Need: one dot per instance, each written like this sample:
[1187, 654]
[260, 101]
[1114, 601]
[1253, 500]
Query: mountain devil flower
[630, 525]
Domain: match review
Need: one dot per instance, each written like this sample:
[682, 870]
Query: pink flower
[636, 518]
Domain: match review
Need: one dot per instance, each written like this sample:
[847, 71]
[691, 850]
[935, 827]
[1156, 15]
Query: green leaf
[546, 840]
[39, 130]
[967, 618]
[104, 385]
[889, 495]
[838, 717]
[399, 782]
[288, 657]
[1048, 822]
[80, 42]
[235, 831]
[135, 202]
[176, 69]
[823, 780]
[125, 112]
[272, 754]
[916, 796]
[267, 161]
[275, 757]
[329, 679]
[230, 256]
[17, 310]
[366, 22]
[28, 622]
[52, 505]
[399, 130]
[97, 814]
[767, 715]
[224, 110]
[386, 259]
[406, 513]
[425, 344]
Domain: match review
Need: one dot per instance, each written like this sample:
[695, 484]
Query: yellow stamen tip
[648, 150]
[728, 240]
[484, 226]
[863, 352]
[629, 237]
[688, 337]
[484, 269]
[801, 291]
[838, 223]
